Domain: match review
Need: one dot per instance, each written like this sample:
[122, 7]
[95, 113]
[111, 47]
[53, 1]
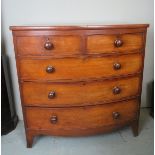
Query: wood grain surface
[81, 118]
[79, 80]
[105, 43]
[79, 68]
[32, 45]
[78, 94]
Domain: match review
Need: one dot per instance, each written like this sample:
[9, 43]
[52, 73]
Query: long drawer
[75, 120]
[79, 68]
[79, 93]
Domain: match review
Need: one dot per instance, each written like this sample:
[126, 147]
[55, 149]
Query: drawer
[79, 93]
[79, 68]
[75, 120]
[48, 45]
[112, 43]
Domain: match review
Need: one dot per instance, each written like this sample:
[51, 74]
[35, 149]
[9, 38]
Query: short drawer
[74, 120]
[113, 43]
[79, 68]
[48, 45]
[79, 93]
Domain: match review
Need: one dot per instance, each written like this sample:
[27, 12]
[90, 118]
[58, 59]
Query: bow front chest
[79, 80]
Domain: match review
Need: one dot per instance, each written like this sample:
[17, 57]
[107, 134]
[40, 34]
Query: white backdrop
[76, 12]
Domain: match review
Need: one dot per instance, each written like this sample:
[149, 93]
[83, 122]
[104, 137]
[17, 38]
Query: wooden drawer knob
[50, 69]
[118, 43]
[116, 90]
[51, 95]
[54, 119]
[117, 66]
[48, 45]
[116, 115]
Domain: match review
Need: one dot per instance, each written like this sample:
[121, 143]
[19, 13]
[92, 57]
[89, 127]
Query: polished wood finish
[78, 94]
[116, 115]
[79, 80]
[116, 90]
[117, 66]
[48, 45]
[118, 43]
[114, 43]
[82, 118]
[50, 69]
[53, 119]
[51, 95]
[79, 68]
[83, 27]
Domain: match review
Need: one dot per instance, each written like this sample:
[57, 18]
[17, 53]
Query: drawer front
[78, 94]
[79, 69]
[112, 43]
[48, 45]
[81, 118]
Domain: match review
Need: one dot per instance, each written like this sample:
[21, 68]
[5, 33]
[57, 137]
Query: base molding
[31, 133]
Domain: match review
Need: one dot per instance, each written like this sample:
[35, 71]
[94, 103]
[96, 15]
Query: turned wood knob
[118, 43]
[51, 95]
[116, 90]
[54, 119]
[50, 69]
[116, 115]
[48, 45]
[117, 66]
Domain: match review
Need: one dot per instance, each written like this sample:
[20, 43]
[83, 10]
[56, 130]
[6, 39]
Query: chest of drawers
[79, 80]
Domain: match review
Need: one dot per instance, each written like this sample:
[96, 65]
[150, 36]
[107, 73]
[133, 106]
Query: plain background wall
[76, 12]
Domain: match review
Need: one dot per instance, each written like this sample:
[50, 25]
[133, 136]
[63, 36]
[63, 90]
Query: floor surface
[120, 142]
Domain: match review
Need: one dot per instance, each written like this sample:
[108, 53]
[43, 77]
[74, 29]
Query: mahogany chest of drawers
[79, 80]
